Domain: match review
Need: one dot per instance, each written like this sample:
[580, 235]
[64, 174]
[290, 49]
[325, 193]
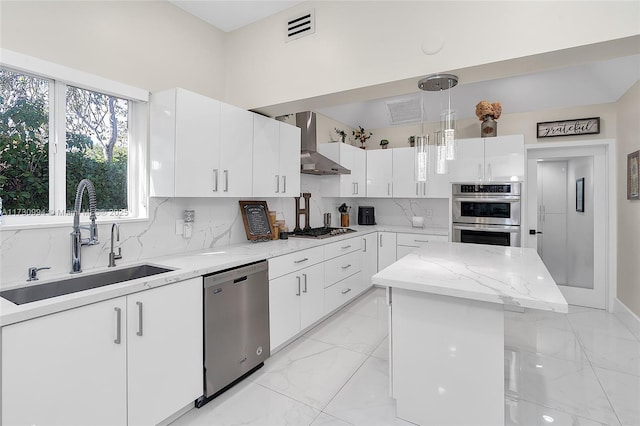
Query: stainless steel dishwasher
[236, 326]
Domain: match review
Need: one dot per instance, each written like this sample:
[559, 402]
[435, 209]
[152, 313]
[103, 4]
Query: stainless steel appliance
[324, 232]
[236, 326]
[366, 215]
[487, 213]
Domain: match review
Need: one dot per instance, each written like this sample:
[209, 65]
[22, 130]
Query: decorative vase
[488, 127]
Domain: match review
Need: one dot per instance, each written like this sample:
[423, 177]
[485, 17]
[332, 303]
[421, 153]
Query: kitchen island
[447, 327]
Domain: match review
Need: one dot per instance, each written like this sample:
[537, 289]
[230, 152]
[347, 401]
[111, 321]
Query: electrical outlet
[429, 213]
[179, 226]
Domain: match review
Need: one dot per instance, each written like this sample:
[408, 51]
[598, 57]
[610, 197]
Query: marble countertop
[185, 265]
[506, 275]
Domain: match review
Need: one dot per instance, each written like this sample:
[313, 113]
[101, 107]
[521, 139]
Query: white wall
[628, 140]
[580, 224]
[366, 43]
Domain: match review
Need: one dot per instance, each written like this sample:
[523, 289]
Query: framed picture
[633, 178]
[580, 195]
[576, 126]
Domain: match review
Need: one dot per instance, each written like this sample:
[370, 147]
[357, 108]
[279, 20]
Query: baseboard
[628, 318]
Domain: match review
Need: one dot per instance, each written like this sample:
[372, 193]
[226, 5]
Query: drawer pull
[421, 241]
[345, 291]
[118, 339]
[298, 293]
[301, 260]
[346, 247]
[346, 266]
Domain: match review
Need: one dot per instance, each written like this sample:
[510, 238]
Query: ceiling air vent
[301, 25]
[405, 111]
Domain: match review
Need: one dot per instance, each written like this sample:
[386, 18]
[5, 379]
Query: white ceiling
[587, 84]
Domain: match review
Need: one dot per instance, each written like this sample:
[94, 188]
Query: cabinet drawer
[339, 248]
[417, 240]
[342, 292]
[341, 267]
[292, 262]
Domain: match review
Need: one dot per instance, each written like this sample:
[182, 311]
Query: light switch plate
[179, 226]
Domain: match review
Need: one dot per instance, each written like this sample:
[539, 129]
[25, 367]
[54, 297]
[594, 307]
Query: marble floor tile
[250, 404]
[372, 304]
[623, 391]
[365, 399]
[309, 371]
[568, 386]
[534, 316]
[518, 412]
[326, 420]
[533, 336]
[612, 353]
[382, 351]
[597, 321]
[351, 331]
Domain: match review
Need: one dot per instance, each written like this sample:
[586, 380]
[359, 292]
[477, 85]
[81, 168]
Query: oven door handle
[506, 198]
[490, 228]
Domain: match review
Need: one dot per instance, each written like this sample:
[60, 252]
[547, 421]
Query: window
[54, 133]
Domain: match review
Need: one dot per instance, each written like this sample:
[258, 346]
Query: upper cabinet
[276, 158]
[499, 158]
[380, 173]
[405, 184]
[199, 146]
[354, 159]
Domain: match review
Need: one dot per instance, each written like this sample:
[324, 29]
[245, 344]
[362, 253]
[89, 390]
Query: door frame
[580, 149]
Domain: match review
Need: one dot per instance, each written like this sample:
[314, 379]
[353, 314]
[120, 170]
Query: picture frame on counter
[576, 126]
[256, 220]
[580, 195]
[633, 176]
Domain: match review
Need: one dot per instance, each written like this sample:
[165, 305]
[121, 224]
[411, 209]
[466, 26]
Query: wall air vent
[404, 111]
[301, 25]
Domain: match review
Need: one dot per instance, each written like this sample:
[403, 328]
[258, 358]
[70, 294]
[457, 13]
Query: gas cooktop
[322, 232]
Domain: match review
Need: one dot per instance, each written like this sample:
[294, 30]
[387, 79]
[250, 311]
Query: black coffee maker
[366, 215]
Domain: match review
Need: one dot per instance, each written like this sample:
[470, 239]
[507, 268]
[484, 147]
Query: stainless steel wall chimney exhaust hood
[311, 162]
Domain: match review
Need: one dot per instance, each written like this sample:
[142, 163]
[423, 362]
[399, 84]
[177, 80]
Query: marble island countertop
[505, 275]
[185, 265]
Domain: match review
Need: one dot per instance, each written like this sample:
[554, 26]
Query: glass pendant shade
[422, 158]
[441, 153]
[448, 129]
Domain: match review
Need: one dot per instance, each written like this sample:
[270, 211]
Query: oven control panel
[510, 188]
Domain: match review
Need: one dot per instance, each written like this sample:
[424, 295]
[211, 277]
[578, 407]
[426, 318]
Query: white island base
[447, 327]
[459, 346]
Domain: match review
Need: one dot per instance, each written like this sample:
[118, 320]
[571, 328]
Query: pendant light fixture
[440, 82]
[423, 154]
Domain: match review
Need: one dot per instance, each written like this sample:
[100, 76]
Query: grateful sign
[578, 126]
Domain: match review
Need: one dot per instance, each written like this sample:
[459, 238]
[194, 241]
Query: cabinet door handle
[356, 188]
[277, 183]
[215, 180]
[389, 188]
[353, 188]
[226, 181]
[479, 171]
[424, 188]
[305, 283]
[118, 326]
[489, 172]
[346, 266]
[417, 184]
[345, 291]
[298, 278]
[139, 333]
[284, 184]
[381, 240]
[364, 245]
[301, 260]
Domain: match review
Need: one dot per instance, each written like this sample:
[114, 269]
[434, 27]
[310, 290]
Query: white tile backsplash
[217, 223]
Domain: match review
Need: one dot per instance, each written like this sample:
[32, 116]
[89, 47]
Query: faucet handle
[33, 272]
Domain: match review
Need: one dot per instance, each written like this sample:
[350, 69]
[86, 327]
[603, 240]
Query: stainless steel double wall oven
[486, 213]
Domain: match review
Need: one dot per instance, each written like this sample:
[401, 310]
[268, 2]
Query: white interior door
[586, 247]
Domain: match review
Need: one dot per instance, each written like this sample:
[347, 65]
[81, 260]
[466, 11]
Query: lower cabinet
[386, 249]
[132, 360]
[342, 292]
[369, 258]
[296, 300]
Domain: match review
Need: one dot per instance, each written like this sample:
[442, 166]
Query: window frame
[59, 78]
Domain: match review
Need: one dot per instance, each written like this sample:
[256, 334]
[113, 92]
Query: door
[588, 234]
[289, 160]
[369, 249]
[405, 184]
[67, 368]
[284, 308]
[552, 223]
[236, 140]
[386, 249]
[379, 173]
[266, 157]
[469, 163]
[164, 350]
[312, 295]
[504, 158]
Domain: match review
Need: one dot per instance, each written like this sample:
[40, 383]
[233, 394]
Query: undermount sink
[33, 293]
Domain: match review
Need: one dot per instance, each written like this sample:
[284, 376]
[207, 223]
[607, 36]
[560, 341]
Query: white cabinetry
[276, 158]
[88, 365]
[369, 258]
[406, 243]
[354, 159]
[386, 249]
[489, 159]
[405, 184]
[342, 272]
[380, 173]
[296, 293]
[199, 146]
